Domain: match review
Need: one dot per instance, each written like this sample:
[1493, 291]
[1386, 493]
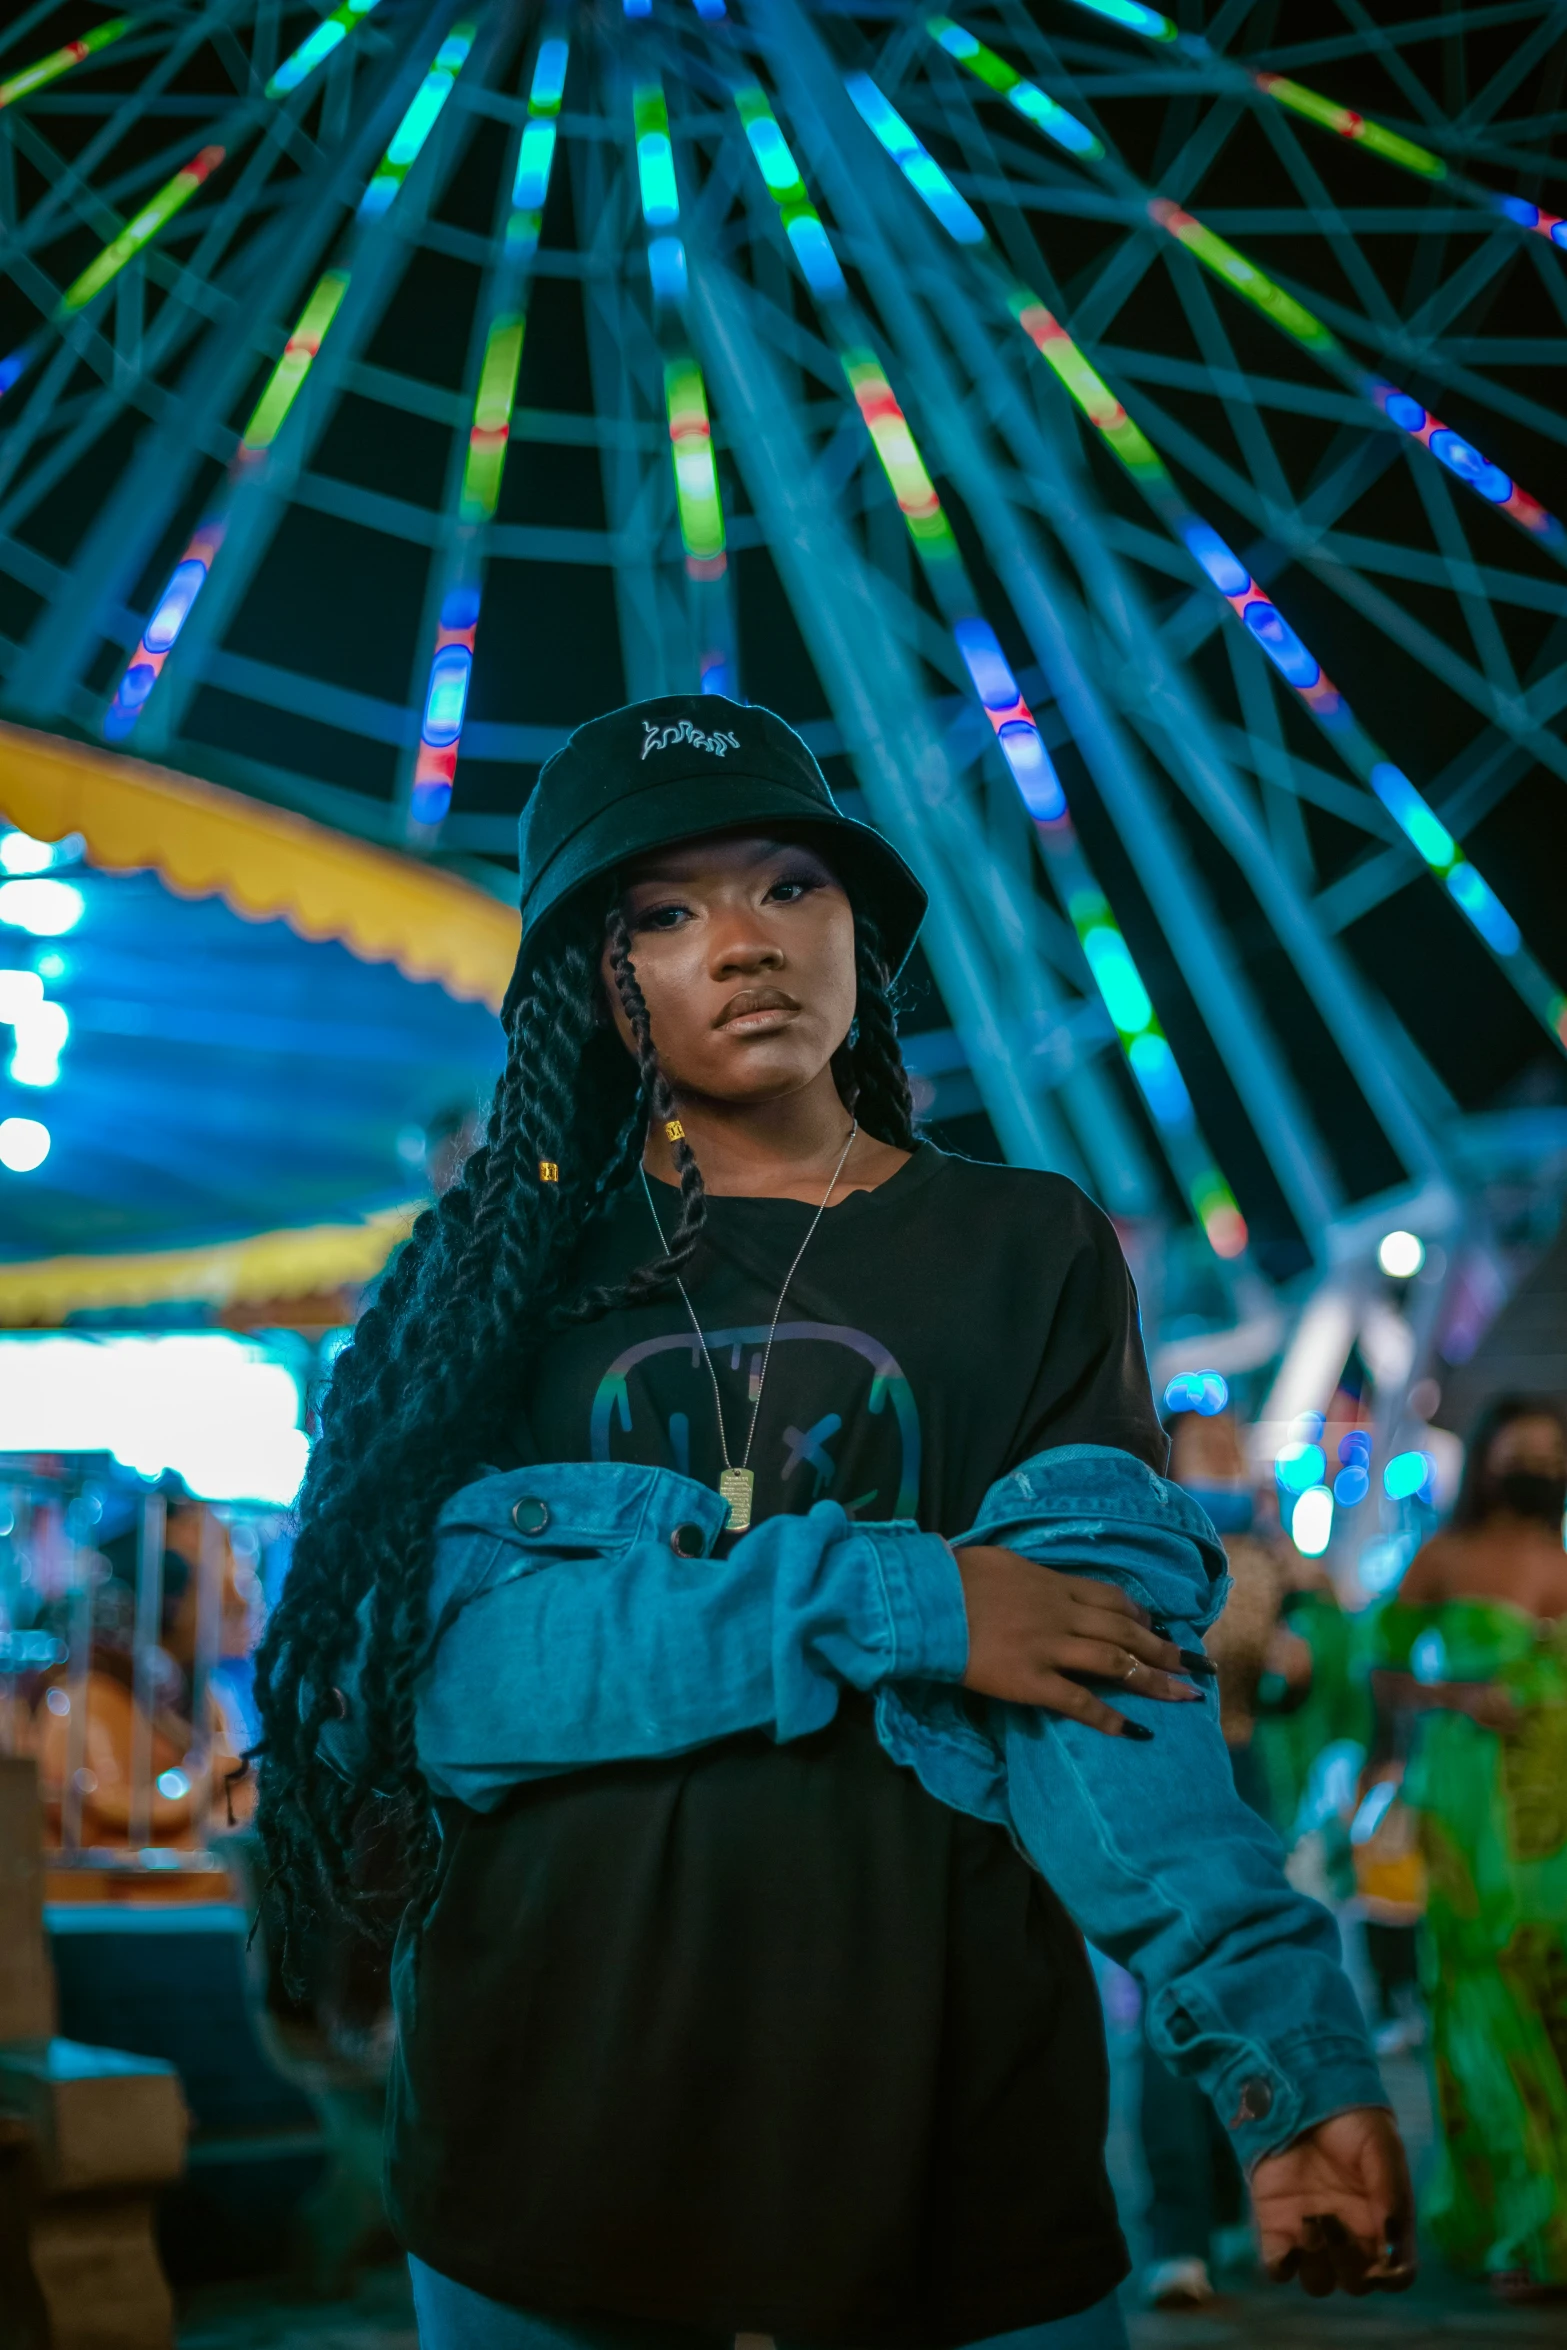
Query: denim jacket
[581, 1614]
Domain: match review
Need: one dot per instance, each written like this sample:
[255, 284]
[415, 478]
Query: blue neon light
[666, 267]
[1279, 641]
[1475, 897]
[549, 74]
[656, 172]
[1419, 820]
[1226, 570]
[1036, 779]
[1163, 1087]
[1460, 457]
[987, 665]
[818, 262]
[920, 168]
[534, 157]
[1053, 120]
[447, 699]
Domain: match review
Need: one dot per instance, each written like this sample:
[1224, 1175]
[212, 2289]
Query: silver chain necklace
[737, 1485]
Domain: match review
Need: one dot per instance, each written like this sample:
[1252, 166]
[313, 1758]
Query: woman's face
[744, 951]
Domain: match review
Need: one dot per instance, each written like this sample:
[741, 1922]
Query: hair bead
[549, 1170]
[674, 1130]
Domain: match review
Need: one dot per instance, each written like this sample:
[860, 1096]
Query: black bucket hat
[673, 769]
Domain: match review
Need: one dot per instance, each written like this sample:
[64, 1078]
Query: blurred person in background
[1471, 1665]
[1195, 2183]
[192, 1777]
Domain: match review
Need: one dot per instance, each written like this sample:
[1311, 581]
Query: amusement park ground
[1441, 2313]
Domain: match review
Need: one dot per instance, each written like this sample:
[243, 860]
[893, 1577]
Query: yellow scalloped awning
[264, 862]
[302, 1263]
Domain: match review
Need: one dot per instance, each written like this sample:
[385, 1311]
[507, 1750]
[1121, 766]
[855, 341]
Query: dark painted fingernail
[1195, 1662]
[1135, 1729]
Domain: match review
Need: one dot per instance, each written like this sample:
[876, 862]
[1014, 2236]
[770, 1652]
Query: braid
[653, 1279]
[417, 1403]
[869, 1067]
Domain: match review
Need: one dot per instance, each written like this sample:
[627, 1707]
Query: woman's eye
[793, 886]
[659, 917]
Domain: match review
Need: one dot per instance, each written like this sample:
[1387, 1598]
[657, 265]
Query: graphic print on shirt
[666, 1380]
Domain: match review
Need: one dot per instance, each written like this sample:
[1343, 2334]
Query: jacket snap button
[530, 1515]
[688, 1542]
[1256, 2101]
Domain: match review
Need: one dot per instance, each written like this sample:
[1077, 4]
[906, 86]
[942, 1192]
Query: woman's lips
[758, 1011]
[761, 1023]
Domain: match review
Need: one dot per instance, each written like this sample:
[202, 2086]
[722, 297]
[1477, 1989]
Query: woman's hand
[1336, 2208]
[1035, 1636]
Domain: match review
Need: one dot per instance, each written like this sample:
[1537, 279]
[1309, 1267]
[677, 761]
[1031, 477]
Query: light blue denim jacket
[581, 1616]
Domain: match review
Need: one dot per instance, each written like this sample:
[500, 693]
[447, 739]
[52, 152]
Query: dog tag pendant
[736, 1487]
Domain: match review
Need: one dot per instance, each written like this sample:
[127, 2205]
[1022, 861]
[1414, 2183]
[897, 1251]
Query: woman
[1473, 1657]
[738, 2029]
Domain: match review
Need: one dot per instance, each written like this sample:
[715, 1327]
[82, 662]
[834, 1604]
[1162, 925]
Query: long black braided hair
[426, 1392]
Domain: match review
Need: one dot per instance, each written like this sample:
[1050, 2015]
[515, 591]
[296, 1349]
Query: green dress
[1493, 1825]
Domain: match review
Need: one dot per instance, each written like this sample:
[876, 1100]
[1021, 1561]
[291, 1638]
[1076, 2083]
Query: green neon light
[1243, 276]
[153, 216]
[287, 378]
[491, 429]
[50, 68]
[1345, 123]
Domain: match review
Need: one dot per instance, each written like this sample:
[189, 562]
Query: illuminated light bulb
[41, 1032]
[1351, 1486]
[1475, 898]
[318, 46]
[1204, 1392]
[818, 262]
[1157, 1073]
[173, 1784]
[1401, 1254]
[153, 216]
[549, 76]
[1415, 818]
[1406, 1474]
[20, 853]
[1226, 570]
[48, 69]
[1279, 641]
[185, 585]
[1311, 1522]
[447, 698]
[1135, 17]
[24, 1144]
[666, 268]
[47, 908]
[1428, 1658]
[1462, 458]
[987, 665]
[534, 158]
[20, 993]
[1300, 1466]
[1115, 975]
[1032, 771]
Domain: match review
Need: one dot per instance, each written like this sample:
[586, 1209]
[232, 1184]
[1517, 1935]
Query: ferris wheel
[1123, 445]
